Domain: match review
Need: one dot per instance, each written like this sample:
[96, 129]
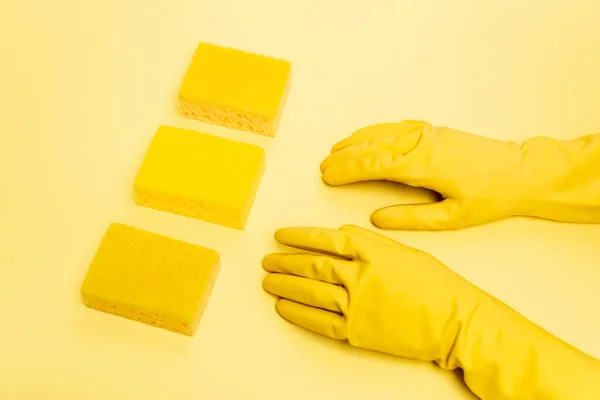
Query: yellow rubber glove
[356, 285]
[480, 179]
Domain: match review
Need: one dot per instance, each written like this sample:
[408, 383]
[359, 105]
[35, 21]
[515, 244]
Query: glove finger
[393, 145]
[319, 321]
[323, 268]
[369, 235]
[308, 292]
[349, 152]
[430, 216]
[372, 168]
[381, 130]
[320, 240]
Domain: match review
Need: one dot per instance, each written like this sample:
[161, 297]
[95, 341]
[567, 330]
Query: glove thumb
[430, 216]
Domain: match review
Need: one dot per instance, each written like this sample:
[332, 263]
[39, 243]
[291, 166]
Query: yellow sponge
[151, 278]
[235, 89]
[200, 176]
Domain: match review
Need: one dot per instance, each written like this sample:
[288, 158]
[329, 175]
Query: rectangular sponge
[200, 176]
[235, 89]
[151, 278]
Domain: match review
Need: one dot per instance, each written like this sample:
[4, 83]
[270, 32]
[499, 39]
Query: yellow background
[85, 84]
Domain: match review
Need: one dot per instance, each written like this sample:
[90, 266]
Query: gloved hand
[480, 179]
[356, 285]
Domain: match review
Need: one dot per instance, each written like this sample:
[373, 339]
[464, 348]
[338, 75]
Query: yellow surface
[151, 278]
[235, 88]
[201, 176]
[85, 85]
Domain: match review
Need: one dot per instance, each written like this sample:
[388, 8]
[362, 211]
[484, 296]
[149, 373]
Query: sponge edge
[236, 89]
[200, 176]
[151, 278]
